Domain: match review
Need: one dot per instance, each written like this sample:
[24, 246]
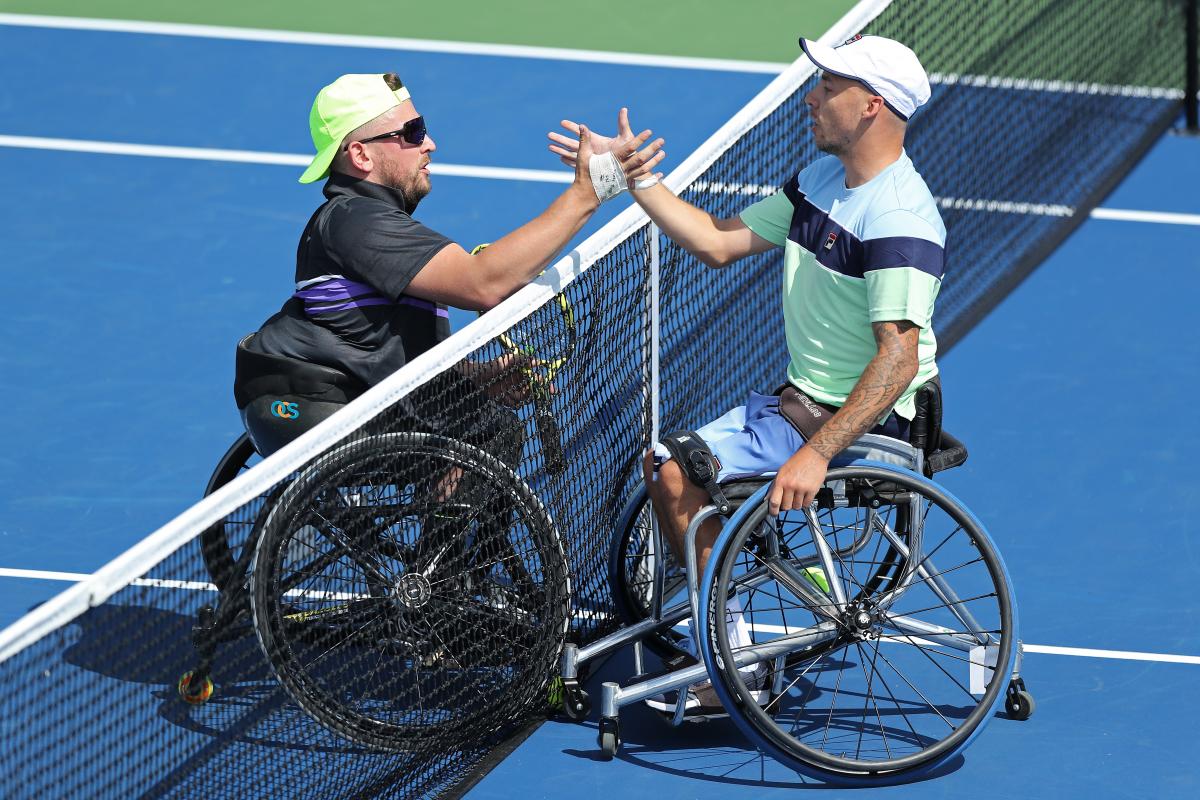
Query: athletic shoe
[701, 700]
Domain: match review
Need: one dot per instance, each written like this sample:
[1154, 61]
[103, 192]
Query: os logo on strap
[285, 410]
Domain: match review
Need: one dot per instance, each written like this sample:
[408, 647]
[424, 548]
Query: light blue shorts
[753, 439]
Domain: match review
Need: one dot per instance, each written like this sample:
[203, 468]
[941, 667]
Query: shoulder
[820, 173]
[904, 206]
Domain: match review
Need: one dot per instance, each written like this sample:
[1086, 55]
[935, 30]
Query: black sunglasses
[413, 132]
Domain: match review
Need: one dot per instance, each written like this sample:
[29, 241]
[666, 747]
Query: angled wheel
[222, 544]
[408, 587]
[885, 663]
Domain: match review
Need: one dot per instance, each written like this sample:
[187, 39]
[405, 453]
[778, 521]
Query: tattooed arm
[886, 377]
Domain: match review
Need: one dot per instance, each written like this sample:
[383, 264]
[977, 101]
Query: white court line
[259, 157]
[547, 176]
[548, 53]
[1129, 655]
[391, 43]
[1079, 652]
[75, 577]
[1127, 215]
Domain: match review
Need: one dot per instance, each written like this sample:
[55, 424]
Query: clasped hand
[637, 159]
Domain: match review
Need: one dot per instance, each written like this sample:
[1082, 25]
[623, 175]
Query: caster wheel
[576, 703]
[1020, 704]
[608, 745]
[609, 738]
[194, 695]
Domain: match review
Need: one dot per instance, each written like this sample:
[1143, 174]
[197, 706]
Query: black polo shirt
[350, 309]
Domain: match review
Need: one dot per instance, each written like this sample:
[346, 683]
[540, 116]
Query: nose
[810, 99]
[428, 146]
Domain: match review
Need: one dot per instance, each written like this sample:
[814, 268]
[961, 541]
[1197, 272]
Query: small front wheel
[576, 703]
[609, 738]
[192, 691]
[1018, 702]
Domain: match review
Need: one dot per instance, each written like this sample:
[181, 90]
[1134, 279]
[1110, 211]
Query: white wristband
[645, 183]
[608, 179]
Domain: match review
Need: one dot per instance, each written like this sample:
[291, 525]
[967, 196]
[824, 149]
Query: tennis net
[411, 588]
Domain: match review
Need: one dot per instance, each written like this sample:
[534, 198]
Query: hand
[798, 481]
[637, 162]
[508, 379]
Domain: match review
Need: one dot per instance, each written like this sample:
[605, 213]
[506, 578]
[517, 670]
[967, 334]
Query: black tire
[869, 700]
[222, 543]
[410, 589]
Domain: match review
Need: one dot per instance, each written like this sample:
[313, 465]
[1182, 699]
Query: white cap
[886, 67]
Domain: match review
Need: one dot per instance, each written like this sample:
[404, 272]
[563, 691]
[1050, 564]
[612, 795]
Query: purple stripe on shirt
[417, 302]
[362, 302]
[335, 290]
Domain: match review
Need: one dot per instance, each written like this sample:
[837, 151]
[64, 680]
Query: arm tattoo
[886, 377]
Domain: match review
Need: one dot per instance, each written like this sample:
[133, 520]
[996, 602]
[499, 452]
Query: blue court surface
[136, 275]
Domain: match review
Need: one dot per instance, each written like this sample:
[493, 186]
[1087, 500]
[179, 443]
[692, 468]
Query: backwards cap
[342, 106]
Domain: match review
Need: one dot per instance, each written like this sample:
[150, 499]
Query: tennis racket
[547, 339]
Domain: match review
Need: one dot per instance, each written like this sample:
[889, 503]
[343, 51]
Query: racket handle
[548, 432]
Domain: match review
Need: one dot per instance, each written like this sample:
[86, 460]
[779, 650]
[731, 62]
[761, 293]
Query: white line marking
[1127, 215]
[1059, 87]
[390, 43]
[547, 53]
[550, 176]
[75, 577]
[1129, 655]
[581, 614]
[259, 157]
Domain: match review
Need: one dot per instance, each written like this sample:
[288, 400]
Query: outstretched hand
[637, 159]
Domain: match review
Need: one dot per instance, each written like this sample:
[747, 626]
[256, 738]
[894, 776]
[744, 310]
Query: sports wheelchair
[404, 587]
[878, 619]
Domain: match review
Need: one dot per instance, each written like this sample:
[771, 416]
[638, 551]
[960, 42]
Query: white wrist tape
[608, 179]
[645, 183]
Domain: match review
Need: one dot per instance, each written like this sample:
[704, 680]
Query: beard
[413, 187]
[830, 145]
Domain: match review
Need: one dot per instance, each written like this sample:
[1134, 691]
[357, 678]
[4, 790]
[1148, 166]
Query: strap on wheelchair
[925, 434]
[692, 454]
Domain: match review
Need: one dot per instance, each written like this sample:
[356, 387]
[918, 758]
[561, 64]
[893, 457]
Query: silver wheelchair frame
[869, 450]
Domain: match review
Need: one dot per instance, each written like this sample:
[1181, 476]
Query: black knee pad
[696, 460]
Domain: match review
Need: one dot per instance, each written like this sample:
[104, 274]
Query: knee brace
[697, 462]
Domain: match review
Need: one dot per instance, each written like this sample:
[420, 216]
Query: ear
[874, 107]
[359, 158]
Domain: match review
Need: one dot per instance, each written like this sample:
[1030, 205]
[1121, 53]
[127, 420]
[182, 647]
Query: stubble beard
[414, 187]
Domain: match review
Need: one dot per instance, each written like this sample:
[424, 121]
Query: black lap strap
[693, 456]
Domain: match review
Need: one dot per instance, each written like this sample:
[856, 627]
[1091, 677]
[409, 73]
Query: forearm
[695, 230]
[886, 377]
[512, 261]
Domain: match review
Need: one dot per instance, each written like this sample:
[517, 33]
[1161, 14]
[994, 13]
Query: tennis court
[155, 222]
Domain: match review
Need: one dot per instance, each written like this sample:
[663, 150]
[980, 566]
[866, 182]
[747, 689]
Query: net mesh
[417, 566]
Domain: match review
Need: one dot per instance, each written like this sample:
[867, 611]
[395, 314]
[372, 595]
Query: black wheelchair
[402, 586]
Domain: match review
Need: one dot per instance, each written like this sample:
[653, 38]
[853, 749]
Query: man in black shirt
[372, 283]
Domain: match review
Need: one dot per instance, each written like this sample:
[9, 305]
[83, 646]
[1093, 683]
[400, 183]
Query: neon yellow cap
[342, 106]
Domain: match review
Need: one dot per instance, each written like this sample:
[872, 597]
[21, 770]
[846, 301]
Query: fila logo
[831, 240]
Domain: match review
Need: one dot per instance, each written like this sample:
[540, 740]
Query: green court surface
[764, 30]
